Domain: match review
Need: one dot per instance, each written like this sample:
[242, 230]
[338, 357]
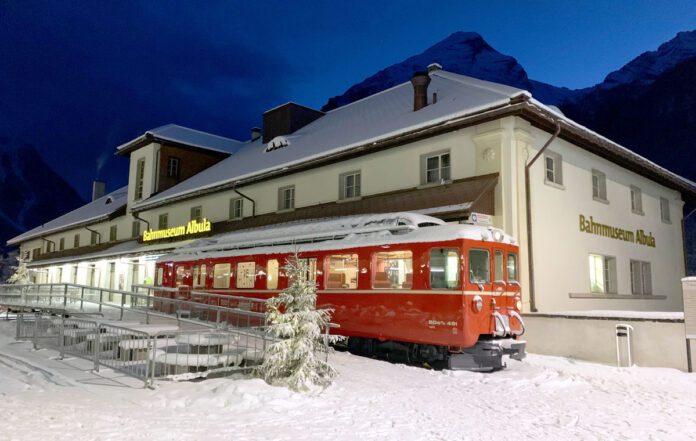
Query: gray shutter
[636, 279]
[647, 278]
[559, 169]
[280, 199]
[342, 186]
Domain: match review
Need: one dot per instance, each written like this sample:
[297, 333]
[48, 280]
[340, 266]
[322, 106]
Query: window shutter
[647, 278]
[280, 199]
[342, 186]
[558, 160]
[636, 279]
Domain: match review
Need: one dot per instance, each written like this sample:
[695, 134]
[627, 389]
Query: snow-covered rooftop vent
[277, 143]
[432, 67]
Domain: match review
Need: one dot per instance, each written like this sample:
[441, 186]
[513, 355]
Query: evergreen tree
[20, 275]
[292, 360]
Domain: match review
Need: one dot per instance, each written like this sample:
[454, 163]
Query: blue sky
[77, 78]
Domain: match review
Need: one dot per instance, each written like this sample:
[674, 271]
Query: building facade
[599, 227]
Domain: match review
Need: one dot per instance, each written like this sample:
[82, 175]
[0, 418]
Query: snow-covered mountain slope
[648, 66]
[465, 53]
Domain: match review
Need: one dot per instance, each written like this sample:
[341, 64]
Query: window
[636, 200]
[159, 277]
[554, 168]
[113, 233]
[272, 274]
[236, 208]
[94, 238]
[311, 269]
[392, 270]
[343, 271]
[163, 220]
[435, 168]
[203, 276]
[599, 186]
[498, 266]
[286, 198]
[641, 278]
[197, 213]
[221, 275]
[172, 167]
[602, 274]
[36, 253]
[246, 274]
[479, 266]
[349, 185]
[61, 244]
[74, 274]
[664, 210]
[512, 267]
[139, 178]
[135, 229]
[195, 276]
[76, 241]
[444, 268]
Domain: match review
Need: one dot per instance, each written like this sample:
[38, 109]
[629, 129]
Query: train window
[202, 276]
[246, 274]
[158, 278]
[512, 266]
[311, 269]
[182, 276]
[195, 276]
[498, 265]
[444, 268]
[272, 274]
[221, 274]
[392, 270]
[343, 271]
[479, 266]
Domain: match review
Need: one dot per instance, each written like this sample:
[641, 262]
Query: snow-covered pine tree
[20, 275]
[293, 318]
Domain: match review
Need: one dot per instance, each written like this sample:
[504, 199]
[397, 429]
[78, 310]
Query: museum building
[599, 226]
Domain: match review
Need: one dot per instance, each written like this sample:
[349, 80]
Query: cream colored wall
[561, 250]
[384, 171]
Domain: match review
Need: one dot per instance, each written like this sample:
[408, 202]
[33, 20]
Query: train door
[499, 278]
[480, 284]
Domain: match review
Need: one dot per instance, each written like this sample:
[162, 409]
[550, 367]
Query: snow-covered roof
[336, 233]
[184, 135]
[94, 211]
[379, 116]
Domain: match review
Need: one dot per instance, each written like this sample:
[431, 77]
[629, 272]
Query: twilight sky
[78, 78]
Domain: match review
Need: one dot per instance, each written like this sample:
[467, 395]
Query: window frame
[243, 275]
[468, 267]
[641, 265]
[665, 210]
[94, 238]
[557, 171]
[346, 284]
[439, 154]
[636, 200]
[135, 229]
[272, 274]
[76, 241]
[226, 280]
[601, 195]
[199, 217]
[173, 167]
[458, 271]
[609, 275]
[399, 286]
[343, 185]
[282, 199]
[113, 233]
[163, 221]
[61, 244]
[139, 179]
[233, 208]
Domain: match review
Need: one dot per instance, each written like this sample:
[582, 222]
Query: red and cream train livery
[403, 286]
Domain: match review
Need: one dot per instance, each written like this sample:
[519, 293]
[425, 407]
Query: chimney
[420, 83]
[287, 119]
[98, 189]
[255, 133]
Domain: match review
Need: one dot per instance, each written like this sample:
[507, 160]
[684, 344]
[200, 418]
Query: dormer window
[109, 200]
[173, 167]
[277, 143]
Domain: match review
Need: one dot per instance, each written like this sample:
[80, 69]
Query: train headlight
[518, 303]
[477, 303]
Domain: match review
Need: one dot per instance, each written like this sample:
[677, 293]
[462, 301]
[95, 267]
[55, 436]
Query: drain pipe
[96, 232]
[532, 299]
[253, 202]
[147, 223]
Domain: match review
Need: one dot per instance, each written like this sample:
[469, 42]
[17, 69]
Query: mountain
[462, 52]
[32, 192]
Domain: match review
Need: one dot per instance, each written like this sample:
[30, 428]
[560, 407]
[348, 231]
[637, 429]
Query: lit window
[349, 185]
[272, 268]
[512, 267]
[664, 210]
[311, 274]
[392, 270]
[602, 274]
[221, 275]
[636, 200]
[444, 268]
[599, 185]
[343, 271]
[158, 278]
[286, 198]
[479, 266]
[172, 167]
[197, 213]
[139, 178]
[554, 168]
[236, 208]
[435, 168]
[641, 278]
[246, 274]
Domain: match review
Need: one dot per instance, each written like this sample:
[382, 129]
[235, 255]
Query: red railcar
[402, 286]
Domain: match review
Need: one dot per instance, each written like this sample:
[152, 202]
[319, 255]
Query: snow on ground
[43, 398]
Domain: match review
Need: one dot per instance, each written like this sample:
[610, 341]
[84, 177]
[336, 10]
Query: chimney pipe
[420, 83]
[98, 189]
[255, 133]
